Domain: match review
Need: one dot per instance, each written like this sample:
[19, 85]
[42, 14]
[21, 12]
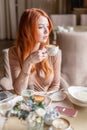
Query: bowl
[76, 102]
[78, 95]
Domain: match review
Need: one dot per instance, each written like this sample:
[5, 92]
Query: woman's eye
[40, 27]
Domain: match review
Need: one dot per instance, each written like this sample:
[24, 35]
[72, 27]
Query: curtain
[2, 20]
[62, 6]
[10, 12]
[8, 23]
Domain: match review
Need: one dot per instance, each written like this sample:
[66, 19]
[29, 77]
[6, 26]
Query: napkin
[62, 29]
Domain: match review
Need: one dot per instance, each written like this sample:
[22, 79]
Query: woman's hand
[37, 56]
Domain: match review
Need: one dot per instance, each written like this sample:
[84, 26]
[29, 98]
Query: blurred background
[10, 13]
[11, 10]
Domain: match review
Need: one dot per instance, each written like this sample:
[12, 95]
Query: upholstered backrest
[63, 19]
[74, 57]
[83, 19]
[6, 81]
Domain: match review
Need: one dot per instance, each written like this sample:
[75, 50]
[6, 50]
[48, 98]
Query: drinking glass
[26, 94]
[5, 110]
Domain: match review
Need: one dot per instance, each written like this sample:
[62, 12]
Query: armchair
[74, 57]
[6, 80]
[63, 19]
[83, 19]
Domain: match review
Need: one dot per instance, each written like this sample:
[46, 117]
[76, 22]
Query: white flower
[41, 112]
[38, 119]
[32, 116]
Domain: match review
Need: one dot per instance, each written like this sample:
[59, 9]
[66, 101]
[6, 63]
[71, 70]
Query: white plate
[45, 93]
[40, 93]
[58, 96]
[51, 92]
[79, 93]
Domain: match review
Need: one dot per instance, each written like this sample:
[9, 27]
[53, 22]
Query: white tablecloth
[78, 123]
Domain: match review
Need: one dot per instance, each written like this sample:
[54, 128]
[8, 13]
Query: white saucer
[52, 91]
[58, 96]
[47, 101]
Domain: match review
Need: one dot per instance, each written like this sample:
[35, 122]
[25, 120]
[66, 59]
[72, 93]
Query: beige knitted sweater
[39, 83]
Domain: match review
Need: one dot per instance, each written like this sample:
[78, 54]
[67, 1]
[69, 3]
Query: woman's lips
[45, 37]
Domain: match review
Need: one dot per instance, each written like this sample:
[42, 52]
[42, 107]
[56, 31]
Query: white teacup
[52, 50]
[61, 124]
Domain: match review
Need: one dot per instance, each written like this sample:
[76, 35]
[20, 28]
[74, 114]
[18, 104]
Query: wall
[85, 3]
[50, 6]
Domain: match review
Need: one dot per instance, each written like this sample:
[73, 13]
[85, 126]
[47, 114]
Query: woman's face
[43, 29]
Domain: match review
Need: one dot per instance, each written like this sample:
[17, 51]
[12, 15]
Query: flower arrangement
[22, 109]
[33, 112]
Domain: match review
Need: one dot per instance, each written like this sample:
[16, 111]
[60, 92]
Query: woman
[29, 61]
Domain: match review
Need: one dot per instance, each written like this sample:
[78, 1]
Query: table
[78, 123]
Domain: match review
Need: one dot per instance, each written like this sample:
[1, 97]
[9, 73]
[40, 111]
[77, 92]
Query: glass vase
[35, 123]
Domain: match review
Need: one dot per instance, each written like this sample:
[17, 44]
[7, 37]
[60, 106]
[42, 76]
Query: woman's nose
[46, 30]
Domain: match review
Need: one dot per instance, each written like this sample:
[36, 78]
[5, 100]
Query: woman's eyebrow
[43, 24]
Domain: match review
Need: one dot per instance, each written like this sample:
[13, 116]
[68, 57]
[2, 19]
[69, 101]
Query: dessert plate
[58, 96]
[47, 100]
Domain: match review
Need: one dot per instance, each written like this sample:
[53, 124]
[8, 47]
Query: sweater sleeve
[15, 65]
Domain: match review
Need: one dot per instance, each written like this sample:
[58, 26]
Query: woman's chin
[44, 42]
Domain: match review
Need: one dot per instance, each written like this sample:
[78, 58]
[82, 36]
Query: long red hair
[27, 37]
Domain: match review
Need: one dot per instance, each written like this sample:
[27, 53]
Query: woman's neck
[36, 47]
